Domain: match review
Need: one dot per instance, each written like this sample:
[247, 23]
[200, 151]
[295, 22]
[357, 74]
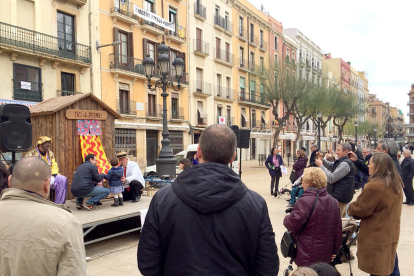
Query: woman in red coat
[319, 240]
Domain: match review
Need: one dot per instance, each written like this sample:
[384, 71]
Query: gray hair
[368, 150]
[389, 145]
[218, 144]
[346, 146]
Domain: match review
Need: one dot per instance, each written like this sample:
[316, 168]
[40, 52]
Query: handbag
[288, 246]
[292, 176]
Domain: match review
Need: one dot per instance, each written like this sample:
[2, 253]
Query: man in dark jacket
[341, 176]
[407, 166]
[84, 184]
[208, 222]
[312, 158]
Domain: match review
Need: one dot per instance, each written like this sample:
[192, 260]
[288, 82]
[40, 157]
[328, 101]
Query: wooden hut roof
[55, 104]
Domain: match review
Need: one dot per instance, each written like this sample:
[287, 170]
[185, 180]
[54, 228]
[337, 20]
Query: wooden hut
[57, 118]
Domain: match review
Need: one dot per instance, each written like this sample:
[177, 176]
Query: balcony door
[123, 48]
[228, 52]
[67, 84]
[199, 36]
[218, 43]
[123, 101]
[151, 105]
[66, 32]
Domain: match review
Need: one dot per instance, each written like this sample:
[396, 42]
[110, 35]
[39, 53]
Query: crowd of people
[208, 222]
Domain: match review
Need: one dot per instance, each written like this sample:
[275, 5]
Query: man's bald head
[217, 144]
[30, 173]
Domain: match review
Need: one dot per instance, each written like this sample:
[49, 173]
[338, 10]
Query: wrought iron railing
[263, 45]
[243, 64]
[66, 93]
[126, 9]
[180, 32]
[254, 40]
[43, 43]
[253, 67]
[201, 121]
[264, 125]
[27, 90]
[224, 92]
[153, 110]
[308, 64]
[230, 121]
[223, 23]
[152, 24]
[242, 33]
[177, 113]
[200, 10]
[202, 87]
[253, 98]
[224, 56]
[244, 123]
[126, 63]
[201, 46]
[184, 78]
[302, 61]
[125, 107]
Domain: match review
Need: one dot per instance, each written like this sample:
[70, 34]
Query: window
[123, 48]
[176, 141]
[243, 117]
[67, 83]
[374, 110]
[251, 33]
[218, 43]
[219, 92]
[261, 38]
[199, 37]
[242, 65]
[172, 15]
[123, 101]
[126, 140]
[27, 83]
[174, 108]
[228, 86]
[152, 112]
[228, 118]
[199, 80]
[254, 118]
[276, 45]
[242, 86]
[219, 110]
[149, 5]
[66, 32]
[151, 50]
[226, 21]
[252, 88]
[276, 60]
[241, 26]
[261, 64]
[217, 10]
[227, 52]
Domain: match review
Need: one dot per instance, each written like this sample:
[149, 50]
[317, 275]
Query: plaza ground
[117, 256]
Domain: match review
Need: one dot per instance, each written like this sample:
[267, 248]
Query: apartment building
[252, 60]
[341, 71]
[44, 50]
[377, 112]
[363, 76]
[141, 26]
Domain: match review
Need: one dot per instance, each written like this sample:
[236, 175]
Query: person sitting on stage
[115, 184]
[58, 182]
[133, 180]
[84, 184]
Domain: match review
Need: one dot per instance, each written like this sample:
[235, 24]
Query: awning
[243, 112]
[264, 117]
[241, 82]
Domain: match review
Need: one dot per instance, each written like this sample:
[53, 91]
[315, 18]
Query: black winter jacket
[85, 179]
[207, 223]
[407, 166]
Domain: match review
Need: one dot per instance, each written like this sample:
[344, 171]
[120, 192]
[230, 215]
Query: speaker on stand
[243, 141]
[15, 129]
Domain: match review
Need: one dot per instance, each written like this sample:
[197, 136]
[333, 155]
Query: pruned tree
[345, 109]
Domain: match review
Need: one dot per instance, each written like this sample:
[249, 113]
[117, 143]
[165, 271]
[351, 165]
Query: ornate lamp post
[319, 116]
[356, 134]
[165, 163]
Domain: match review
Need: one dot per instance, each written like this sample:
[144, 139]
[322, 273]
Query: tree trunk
[276, 136]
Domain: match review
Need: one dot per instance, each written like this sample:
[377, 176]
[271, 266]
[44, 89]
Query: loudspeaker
[244, 138]
[15, 128]
[236, 131]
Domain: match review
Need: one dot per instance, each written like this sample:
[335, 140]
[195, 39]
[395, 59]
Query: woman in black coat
[273, 163]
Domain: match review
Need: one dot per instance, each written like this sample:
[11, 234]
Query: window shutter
[130, 50]
[182, 55]
[116, 48]
[144, 44]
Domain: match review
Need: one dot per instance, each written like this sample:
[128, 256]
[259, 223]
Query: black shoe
[121, 201]
[116, 202]
[78, 205]
[276, 194]
[136, 199]
[98, 203]
[410, 203]
[271, 193]
[405, 202]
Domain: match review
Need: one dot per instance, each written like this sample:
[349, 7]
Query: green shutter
[252, 86]
[173, 11]
[261, 88]
[241, 82]
[151, 1]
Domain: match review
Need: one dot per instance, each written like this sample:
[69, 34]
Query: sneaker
[78, 205]
[289, 205]
[88, 206]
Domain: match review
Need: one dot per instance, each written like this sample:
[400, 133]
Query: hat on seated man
[58, 182]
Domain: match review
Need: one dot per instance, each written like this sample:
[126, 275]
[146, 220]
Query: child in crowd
[114, 177]
[184, 164]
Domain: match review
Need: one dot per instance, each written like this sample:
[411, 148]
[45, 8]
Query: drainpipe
[91, 45]
[248, 79]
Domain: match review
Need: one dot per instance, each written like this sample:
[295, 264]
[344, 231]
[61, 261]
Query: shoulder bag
[288, 246]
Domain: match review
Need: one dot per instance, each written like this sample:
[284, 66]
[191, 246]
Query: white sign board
[26, 85]
[222, 120]
[151, 17]
[139, 106]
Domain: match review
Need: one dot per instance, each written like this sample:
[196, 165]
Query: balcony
[201, 122]
[151, 27]
[78, 2]
[177, 113]
[223, 57]
[223, 24]
[66, 93]
[253, 98]
[125, 107]
[243, 65]
[262, 125]
[308, 65]
[171, 76]
[201, 48]
[230, 121]
[314, 69]
[319, 72]
[302, 62]
[290, 61]
[254, 68]
[126, 66]
[27, 91]
[200, 11]
[242, 34]
[254, 40]
[154, 111]
[244, 123]
[263, 45]
[124, 13]
[202, 89]
[178, 36]
[410, 103]
[19, 40]
[224, 93]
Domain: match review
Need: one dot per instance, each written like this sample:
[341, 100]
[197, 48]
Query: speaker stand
[240, 172]
[13, 157]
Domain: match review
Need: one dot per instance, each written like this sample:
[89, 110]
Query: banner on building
[222, 120]
[28, 104]
[151, 17]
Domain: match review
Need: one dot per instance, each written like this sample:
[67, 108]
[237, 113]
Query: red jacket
[321, 238]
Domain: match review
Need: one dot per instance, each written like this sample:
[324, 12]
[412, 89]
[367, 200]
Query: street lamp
[375, 137]
[319, 116]
[115, 43]
[356, 135]
[165, 164]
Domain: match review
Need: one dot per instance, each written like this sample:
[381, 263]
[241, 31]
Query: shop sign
[77, 114]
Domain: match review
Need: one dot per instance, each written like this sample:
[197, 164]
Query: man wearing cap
[133, 180]
[58, 182]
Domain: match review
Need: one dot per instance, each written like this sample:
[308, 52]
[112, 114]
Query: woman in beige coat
[379, 208]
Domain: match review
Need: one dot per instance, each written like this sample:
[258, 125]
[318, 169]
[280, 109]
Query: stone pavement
[118, 255]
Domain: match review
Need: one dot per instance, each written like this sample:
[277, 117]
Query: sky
[375, 36]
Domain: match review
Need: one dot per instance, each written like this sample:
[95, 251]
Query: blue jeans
[396, 271]
[295, 191]
[97, 194]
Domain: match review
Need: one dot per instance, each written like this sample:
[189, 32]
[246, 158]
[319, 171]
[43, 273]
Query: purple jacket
[322, 236]
[300, 166]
